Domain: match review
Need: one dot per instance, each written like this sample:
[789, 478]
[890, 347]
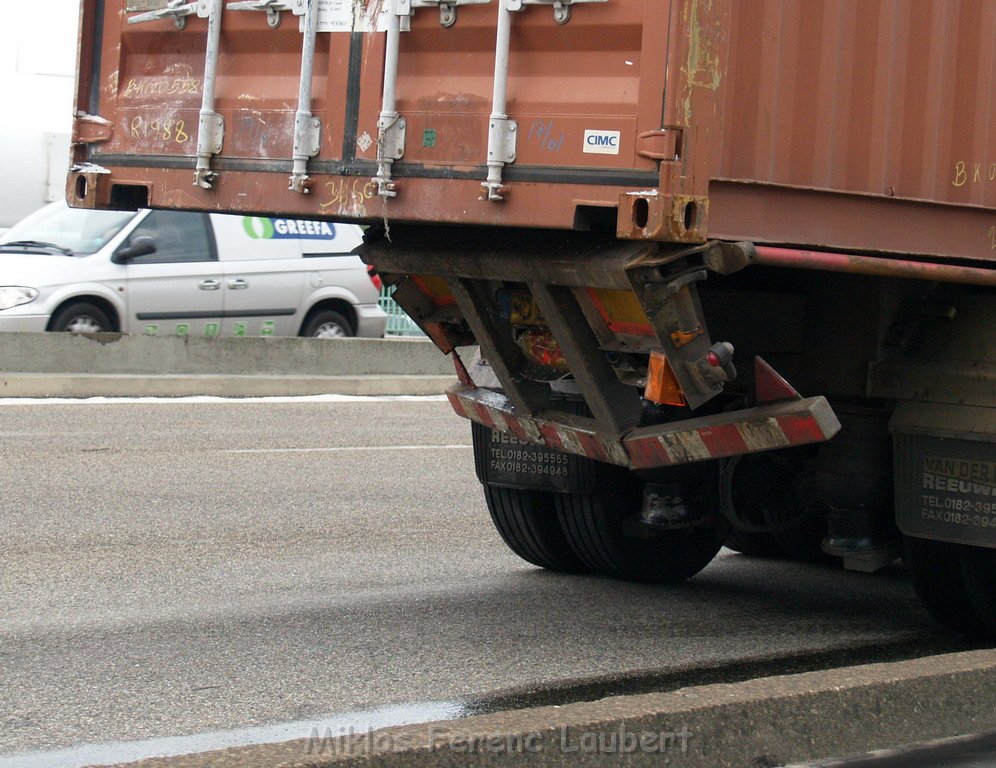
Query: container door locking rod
[501, 129]
[307, 127]
[210, 125]
[390, 125]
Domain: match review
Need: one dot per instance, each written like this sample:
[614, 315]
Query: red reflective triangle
[769, 386]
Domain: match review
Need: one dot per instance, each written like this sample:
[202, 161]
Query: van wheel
[327, 324]
[527, 521]
[81, 317]
[595, 523]
[955, 583]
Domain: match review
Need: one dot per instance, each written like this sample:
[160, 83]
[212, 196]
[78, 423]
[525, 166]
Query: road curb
[70, 385]
[117, 365]
[766, 721]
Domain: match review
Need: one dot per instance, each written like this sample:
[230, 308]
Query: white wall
[37, 74]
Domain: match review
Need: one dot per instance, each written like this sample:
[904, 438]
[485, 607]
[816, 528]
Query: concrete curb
[68, 385]
[767, 721]
[115, 365]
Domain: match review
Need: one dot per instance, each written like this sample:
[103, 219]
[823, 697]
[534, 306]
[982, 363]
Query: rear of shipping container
[638, 210]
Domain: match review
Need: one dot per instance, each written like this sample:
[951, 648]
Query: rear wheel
[771, 495]
[81, 317]
[527, 521]
[955, 583]
[595, 526]
[978, 572]
[327, 324]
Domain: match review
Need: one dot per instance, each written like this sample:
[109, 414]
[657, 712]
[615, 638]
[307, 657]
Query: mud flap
[945, 461]
[506, 461]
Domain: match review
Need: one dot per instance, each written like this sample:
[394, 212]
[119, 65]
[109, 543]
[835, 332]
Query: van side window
[180, 237]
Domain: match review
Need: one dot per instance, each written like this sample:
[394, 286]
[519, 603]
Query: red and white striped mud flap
[767, 427]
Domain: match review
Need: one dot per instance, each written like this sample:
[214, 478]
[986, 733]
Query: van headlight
[15, 295]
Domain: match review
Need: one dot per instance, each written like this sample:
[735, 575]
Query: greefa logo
[287, 229]
[258, 229]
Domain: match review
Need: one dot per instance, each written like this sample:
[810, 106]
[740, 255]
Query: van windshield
[57, 228]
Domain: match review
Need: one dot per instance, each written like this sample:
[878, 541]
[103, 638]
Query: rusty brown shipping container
[832, 123]
[638, 210]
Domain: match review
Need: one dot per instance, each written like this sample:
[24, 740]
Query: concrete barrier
[763, 722]
[64, 365]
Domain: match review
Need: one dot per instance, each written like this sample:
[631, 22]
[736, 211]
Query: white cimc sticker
[601, 142]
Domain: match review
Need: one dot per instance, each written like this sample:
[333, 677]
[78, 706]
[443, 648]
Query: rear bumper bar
[767, 427]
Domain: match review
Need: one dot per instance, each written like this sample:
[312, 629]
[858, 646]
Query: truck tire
[772, 489]
[594, 526]
[528, 523]
[939, 571]
[81, 317]
[978, 571]
[753, 544]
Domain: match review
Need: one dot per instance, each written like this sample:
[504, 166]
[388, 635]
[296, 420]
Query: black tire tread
[936, 570]
[978, 571]
[527, 522]
[316, 319]
[592, 523]
[60, 320]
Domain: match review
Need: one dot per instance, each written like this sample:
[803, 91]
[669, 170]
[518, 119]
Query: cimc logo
[259, 228]
[601, 142]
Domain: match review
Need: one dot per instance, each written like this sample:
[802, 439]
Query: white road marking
[347, 448]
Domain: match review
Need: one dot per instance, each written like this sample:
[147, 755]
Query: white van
[169, 272]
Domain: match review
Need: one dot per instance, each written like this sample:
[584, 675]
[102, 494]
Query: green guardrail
[398, 323]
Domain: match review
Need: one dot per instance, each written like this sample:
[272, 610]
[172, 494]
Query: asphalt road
[177, 568]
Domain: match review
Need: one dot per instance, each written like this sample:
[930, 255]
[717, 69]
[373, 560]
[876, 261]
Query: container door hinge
[273, 8]
[91, 129]
[447, 8]
[561, 8]
[177, 10]
[664, 145]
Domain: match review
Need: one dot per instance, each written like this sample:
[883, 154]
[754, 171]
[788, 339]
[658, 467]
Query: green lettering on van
[240, 329]
[151, 330]
[211, 329]
[267, 328]
[182, 329]
[257, 228]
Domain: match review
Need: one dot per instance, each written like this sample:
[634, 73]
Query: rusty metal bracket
[91, 129]
[653, 215]
[477, 303]
[665, 285]
[615, 406]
